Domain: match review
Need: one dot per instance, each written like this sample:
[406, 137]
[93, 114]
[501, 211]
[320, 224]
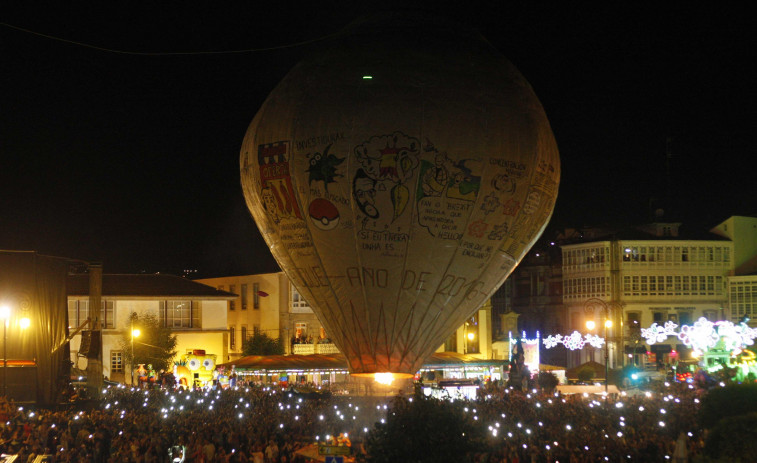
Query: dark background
[132, 159]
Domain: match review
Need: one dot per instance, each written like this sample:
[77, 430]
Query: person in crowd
[260, 424]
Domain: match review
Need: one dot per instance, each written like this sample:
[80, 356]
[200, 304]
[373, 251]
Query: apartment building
[652, 274]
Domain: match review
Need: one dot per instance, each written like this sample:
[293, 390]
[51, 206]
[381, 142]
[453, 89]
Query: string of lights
[177, 53]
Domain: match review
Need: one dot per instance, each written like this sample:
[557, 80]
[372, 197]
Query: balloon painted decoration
[398, 176]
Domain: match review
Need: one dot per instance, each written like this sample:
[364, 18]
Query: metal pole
[131, 363]
[607, 353]
[5, 358]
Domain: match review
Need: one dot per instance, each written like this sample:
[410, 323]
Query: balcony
[320, 348]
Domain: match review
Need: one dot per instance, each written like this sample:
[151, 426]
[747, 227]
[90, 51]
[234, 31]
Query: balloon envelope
[398, 176]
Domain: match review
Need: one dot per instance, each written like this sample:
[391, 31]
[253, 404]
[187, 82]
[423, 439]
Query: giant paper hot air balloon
[398, 175]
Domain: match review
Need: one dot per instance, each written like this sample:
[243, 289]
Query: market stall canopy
[313, 362]
[289, 362]
[441, 360]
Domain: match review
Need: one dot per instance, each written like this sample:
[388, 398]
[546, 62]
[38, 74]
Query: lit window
[180, 314]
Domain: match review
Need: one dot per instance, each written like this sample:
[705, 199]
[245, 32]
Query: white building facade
[195, 313]
[635, 281]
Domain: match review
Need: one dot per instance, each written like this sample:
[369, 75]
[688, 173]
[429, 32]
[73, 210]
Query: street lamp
[134, 334]
[608, 324]
[5, 315]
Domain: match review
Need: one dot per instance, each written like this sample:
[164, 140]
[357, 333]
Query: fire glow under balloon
[398, 176]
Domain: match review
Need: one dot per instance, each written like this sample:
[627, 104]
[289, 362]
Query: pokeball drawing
[324, 214]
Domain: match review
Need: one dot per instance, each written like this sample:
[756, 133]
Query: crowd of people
[267, 425]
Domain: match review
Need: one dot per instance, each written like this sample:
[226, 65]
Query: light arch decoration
[574, 341]
[704, 334]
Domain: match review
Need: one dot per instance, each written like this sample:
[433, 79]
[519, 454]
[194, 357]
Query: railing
[320, 348]
[326, 348]
[303, 349]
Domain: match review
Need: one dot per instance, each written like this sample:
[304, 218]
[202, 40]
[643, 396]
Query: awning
[636, 350]
[660, 348]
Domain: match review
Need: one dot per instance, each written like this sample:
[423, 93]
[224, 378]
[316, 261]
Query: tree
[262, 344]
[425, 430]
[733, 439]
[724, 402]
[730, 416]
[155, 345]
[548, 381]
[585, 374]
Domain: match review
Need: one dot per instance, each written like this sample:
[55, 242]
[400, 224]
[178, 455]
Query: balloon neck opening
[383, 377]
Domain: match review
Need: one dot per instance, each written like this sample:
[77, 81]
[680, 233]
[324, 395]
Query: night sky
[131, 159]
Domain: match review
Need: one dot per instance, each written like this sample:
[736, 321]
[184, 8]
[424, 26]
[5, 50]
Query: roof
[145, 285]
[339, 362]
[636, 233]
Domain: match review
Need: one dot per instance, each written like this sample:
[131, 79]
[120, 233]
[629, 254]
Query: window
[256, 295]
[684, 317]
[232, 338]
[657, 317]
[180, 314]
[244, 334]
[300, 330]
[116, 361]
[244, 297]
[233, 302]
[299, 304]
[78, 312]
[711, 315]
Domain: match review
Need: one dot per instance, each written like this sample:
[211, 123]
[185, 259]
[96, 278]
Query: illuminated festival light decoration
[574, 341]
[704, 334]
